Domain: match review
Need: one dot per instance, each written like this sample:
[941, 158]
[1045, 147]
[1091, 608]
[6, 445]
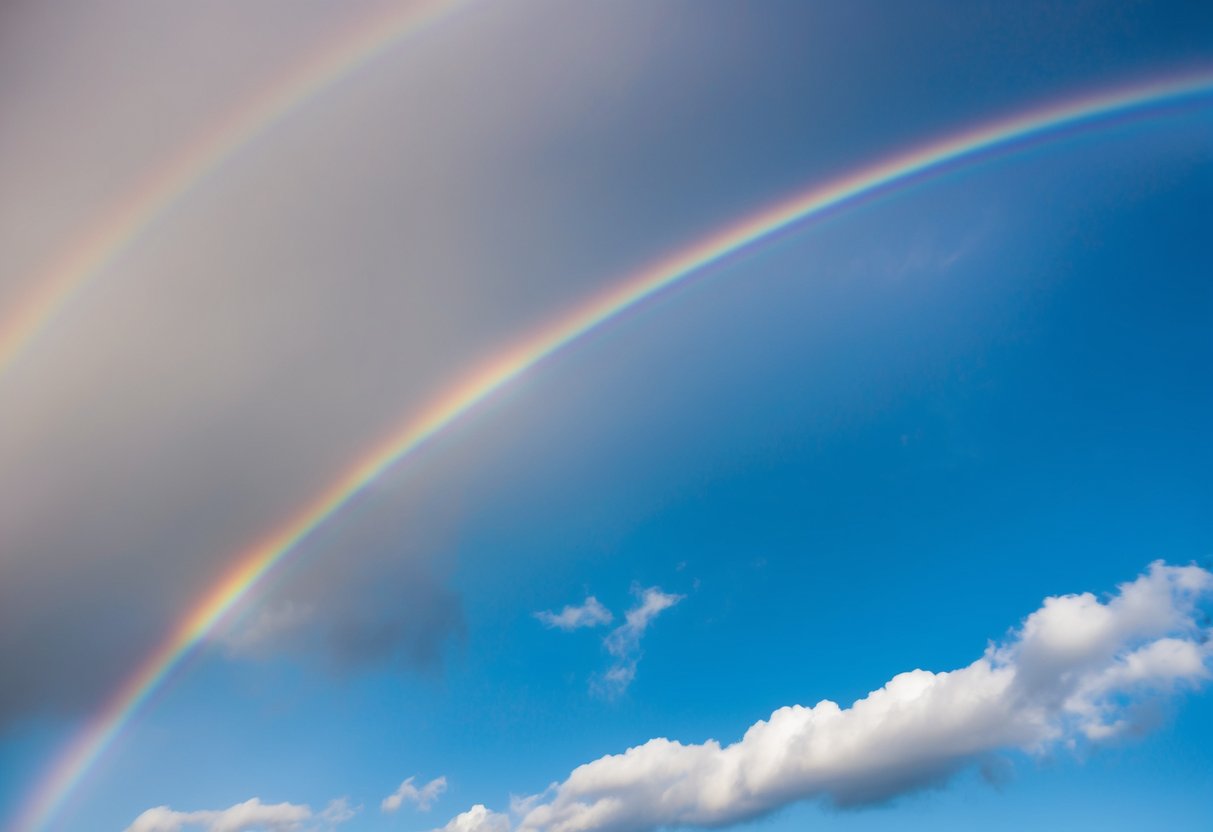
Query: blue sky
[872, 446]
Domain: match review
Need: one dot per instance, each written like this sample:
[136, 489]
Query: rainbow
[98, 246]
[251, 566]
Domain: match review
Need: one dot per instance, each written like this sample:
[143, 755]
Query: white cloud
[623, 643]
[338, 811]
[423, 797]
[590, 614]
[477, 819]
[1078, 669]
[249, 816]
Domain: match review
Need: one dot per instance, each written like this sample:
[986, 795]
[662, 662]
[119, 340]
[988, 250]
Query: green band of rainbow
[251, 566]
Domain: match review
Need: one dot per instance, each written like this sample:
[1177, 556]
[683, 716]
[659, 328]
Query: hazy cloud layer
[386, 601]
[1079, 669]
[422, 797]
[250, 816]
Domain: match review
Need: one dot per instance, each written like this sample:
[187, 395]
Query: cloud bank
[1078, 670]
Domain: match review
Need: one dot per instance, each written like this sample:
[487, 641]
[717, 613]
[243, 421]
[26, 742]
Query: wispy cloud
[1078, 670]
[623, 643]
[590, 614]
[423, 797]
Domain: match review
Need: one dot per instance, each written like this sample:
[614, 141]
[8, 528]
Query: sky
[903, 517]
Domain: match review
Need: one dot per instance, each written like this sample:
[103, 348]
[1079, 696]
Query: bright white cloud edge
[1078, 670]
[477, 819]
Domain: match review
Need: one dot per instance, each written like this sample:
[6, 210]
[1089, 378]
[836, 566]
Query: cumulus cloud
[623, 643]
[590, 614]
[249, 816]
[423, 797]
[478, 819]
[1077, 670]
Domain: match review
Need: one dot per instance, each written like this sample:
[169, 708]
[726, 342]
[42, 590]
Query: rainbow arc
[250, 567]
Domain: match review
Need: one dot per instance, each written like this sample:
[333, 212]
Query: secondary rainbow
[125, 221]
[461, 398]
